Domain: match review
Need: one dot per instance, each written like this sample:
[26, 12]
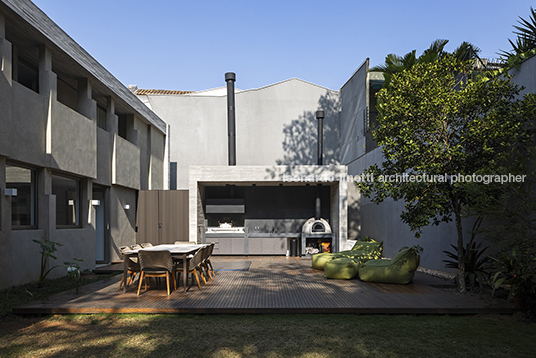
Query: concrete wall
[526, 75]
[353, 106]
[122, 221]
[275, 125]
[203, 176]
[41, 133]
[73, 141]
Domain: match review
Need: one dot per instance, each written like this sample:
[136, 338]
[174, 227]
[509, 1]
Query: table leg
[125, 270]
[184, 272]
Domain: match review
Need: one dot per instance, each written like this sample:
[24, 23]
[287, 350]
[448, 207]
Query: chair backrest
[196, 259]
[204, 253]
[135, 247]
[155, 260]
[210, 249]
[133, 264]
[146, 244]
[185, 243]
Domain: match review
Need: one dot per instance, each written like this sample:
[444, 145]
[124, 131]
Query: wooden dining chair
[146, 244]
[133, 267]
[208, 263]
[192, 267]
[185, 243]
[156, 264]
[205, 262]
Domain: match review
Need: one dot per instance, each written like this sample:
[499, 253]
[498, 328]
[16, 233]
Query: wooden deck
[272, 285]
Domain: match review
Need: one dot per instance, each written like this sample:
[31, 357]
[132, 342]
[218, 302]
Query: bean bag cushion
[341, 268]
[400, 269]
[319, 260]
[371, 247]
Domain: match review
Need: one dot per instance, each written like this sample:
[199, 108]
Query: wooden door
[162, 216]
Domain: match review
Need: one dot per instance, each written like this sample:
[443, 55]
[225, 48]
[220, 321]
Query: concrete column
[87, 212]
[111, 117]
[167, 164]
[46, 209]
[6, 257]
[86, 105]
[48, 83]
[6, 53]
[48, 88]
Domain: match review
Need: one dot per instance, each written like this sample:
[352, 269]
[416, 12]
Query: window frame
[77, 204]
[33, 197]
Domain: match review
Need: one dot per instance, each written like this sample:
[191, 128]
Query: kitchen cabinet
[267, 246]
[228, 245]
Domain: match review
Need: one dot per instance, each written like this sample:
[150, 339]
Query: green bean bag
[400, 269]
[320, 260]
[342, 268]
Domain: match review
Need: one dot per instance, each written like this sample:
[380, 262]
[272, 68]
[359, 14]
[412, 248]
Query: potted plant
[517, 269]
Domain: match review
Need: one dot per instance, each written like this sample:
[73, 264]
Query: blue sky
[189, 45]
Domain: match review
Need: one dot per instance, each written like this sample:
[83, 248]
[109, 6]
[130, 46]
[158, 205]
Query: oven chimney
[320, 117]
[230, 78]
[318, 205]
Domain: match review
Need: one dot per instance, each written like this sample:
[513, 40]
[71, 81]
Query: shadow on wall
[354, 214]
[300, 143]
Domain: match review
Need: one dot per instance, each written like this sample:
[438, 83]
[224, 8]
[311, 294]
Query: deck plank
[271, 285]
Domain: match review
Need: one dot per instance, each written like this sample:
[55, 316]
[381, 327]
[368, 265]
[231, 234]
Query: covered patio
[272, 284]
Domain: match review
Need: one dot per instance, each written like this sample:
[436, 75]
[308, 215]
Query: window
[122, 126]
[101, 117]
[28, 75]
[67, 193]
[23, 205]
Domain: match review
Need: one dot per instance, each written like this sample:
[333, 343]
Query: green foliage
[396, 64]
[73, 268]
[47, 250]
[511, 210]
[476, 265]
[517, 267]
[526, 37]
[20, 295]
[437, 122]
[434, 121]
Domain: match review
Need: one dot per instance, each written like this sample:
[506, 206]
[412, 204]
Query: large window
[67, 191]
[23, 205]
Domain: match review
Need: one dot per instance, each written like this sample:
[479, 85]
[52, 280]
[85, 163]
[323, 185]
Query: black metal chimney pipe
[318, 203]
[230, 78]
[320, 117]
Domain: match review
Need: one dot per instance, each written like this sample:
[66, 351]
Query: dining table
[180, 252]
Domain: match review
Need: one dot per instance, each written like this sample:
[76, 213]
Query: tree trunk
[461, 253]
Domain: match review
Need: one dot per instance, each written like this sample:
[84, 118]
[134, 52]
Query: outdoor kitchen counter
[254, 243]
[282, 234]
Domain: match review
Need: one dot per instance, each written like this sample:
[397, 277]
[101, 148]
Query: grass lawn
[253, 335]
[267, 336]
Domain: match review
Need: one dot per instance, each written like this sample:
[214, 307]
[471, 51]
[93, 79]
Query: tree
[396, 64]
[438, 126]
[526, 36]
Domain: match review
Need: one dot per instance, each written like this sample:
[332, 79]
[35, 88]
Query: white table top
[174, 249]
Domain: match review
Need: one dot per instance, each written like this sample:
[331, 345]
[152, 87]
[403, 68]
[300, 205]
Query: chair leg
[206, 269]
[121, 283]
[141, 281]
[211, 268]
[200, 269]
[167, 282]
[197, 278]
